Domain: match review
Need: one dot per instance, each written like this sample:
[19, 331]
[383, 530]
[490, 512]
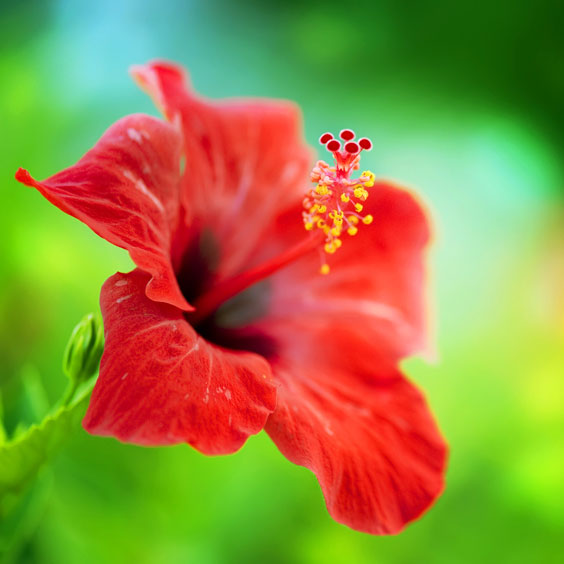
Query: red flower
[227, 327]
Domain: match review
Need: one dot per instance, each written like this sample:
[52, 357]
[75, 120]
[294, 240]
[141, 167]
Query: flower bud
[84, 349]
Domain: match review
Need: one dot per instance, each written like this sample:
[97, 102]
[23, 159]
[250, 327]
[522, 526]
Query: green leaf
[3, 434]
[17, 528]
[22, 457]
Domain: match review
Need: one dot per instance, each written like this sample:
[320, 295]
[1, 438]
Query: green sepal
[84, 349]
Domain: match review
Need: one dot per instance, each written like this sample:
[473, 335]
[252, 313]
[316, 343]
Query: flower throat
[331, 209]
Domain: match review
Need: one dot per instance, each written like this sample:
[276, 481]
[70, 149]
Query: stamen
[334, 204]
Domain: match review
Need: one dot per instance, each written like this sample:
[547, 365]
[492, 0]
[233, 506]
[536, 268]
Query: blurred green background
[464, 104]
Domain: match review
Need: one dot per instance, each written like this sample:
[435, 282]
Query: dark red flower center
[223, 324]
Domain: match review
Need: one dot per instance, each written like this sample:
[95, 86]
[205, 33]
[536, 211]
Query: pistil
[333, 207]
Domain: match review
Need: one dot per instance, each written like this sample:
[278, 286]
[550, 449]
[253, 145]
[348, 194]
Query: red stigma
[333, 145]
[346, 160]
[352, 147]
[346, 134]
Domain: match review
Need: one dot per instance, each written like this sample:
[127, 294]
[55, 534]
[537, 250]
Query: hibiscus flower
[231, 323]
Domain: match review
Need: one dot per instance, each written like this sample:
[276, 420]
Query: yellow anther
[353, 219]
[352, 231]
[322, 209]
[336, 231]
[329, 248]
[367, 220]
[337, 221]
[358, 207]
[320, 222]
[358, 191]
[370, 176]
[326, 230]
[337, 243]
[344, 198]
[308, 226]
[322, 190]
[324, 269]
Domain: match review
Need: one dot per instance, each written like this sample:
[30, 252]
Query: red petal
[343, 409]
[246, 160]
[161, 383]
[373, 446]
[126, 190]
